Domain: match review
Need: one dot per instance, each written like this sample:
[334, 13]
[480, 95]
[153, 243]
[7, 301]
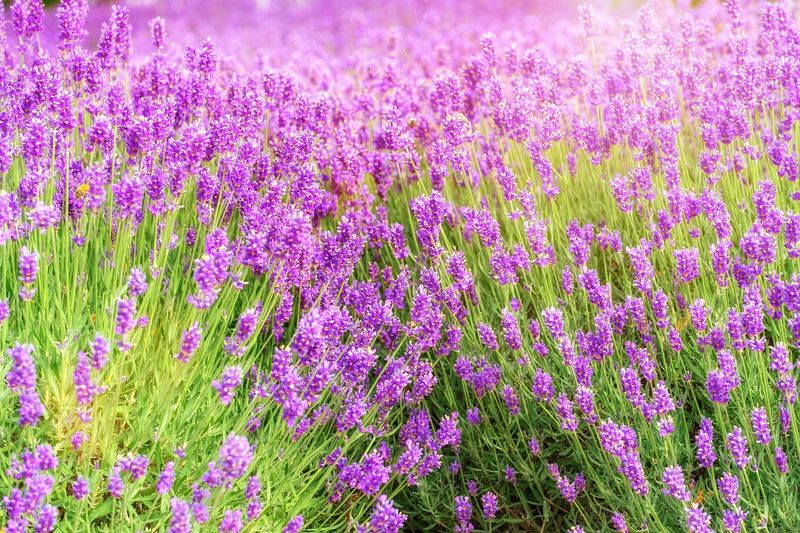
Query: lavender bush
[339, 266]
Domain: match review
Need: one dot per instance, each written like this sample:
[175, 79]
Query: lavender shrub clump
[367, 266]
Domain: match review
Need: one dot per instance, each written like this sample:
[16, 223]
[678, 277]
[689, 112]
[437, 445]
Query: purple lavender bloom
[674, 484]
[27, 17]
[181, 518]
[137, 282]
[100, 349]
[564, 408]
[761, 426]
[687, 264]
[45, 520]
[534, 446]
[511, 474]
[71, 15]
[736, 443]
[80, 488]
[487, 336]
[781, 461]
[631, 386]
[158, 32]
[235, 456]
[631, 467]
[226, 385]
[489, 505]
[511, 400]
[704, 440]
[780, 362]
[77, 440]
[85, 389]
[190, 340]
[553, 320]
[732, 519]
[253, 488]
[728, 486]
[462, 509]
[126, 316]
[136, 465]
[294, 525]
[254, 509]
[511, 331]
[786, 418]
[231, 521]
[115, 485]
[22, 375]
[166, 478]
[5, 312]
[22, 380]
[28, 266]
[618, 523]
[697, 520]
[385, 518]
[543, 387]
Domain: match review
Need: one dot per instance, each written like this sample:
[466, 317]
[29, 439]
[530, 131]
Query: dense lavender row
[348, 272]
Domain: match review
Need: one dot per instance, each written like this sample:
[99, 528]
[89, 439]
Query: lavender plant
[319, 267]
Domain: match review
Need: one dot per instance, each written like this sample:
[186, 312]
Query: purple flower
[511, 474]
[45, 520]
[235, 456]
[294, 525]
[5, 312]
[489, 505]
[534, 446]
[226, 385]
[190, 340]
[687, 264]
[253, 488]
[158, 32]
[463, 509]
[728, 486]
[231, 521]
[780, 460]
[543, 387]
[137, 282]
[761, 426]
[618, 523]
[181, 518]
[166, 478]
[736, 443]
[115, 486]
[80, 488]
[564, 408]
[733, 519]
[22, 380]
[511, 400]
[28, 266]
[631, 467]
[704, 440]
[674, 484]
[77, 440]
[697, 520]
[385, 518]
[22, 375]
[100, 349]
[780, 362]
[27, 17]
[487, 336]
[126, 316]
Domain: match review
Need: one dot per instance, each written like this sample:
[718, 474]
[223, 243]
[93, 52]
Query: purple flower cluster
[385, 220]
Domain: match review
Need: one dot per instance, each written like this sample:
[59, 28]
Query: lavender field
[362, 266]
